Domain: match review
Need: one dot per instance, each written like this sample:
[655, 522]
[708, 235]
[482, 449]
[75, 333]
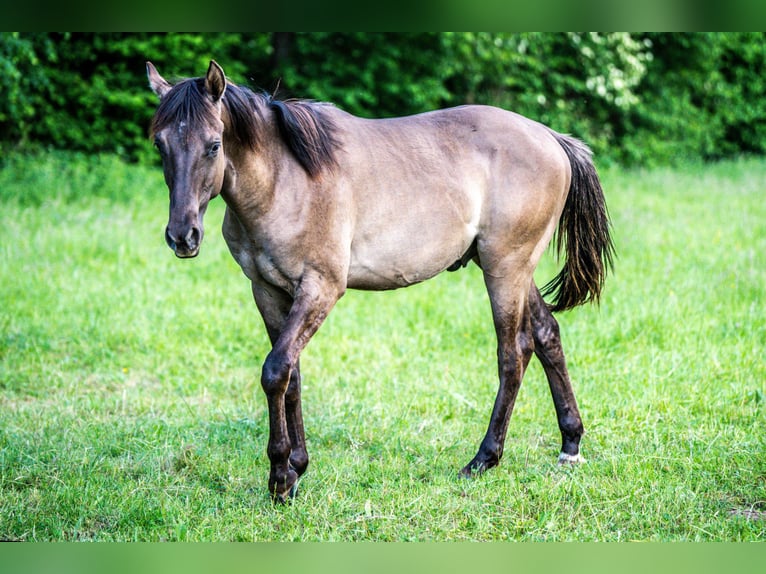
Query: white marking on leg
[565, 458]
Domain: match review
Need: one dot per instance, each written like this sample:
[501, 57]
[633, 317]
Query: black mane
[304, 125]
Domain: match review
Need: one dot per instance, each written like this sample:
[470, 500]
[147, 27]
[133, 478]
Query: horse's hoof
[473, 470]
[565, 458]
[285, 496]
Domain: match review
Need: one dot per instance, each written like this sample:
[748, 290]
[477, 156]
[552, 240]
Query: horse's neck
[248, 185]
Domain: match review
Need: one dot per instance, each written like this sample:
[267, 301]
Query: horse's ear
[215, 81]
[157, 83]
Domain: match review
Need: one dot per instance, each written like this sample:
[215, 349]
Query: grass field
[130, 406]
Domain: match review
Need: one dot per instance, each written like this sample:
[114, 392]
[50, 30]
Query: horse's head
[188, 132]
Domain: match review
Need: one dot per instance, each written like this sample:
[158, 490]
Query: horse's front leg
[299, 456]
[274, 306]
[280, 376]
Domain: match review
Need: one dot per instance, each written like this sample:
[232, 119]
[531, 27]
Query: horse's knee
[275, 375]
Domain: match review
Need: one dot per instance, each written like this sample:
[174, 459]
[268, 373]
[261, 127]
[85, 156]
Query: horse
[319, 201]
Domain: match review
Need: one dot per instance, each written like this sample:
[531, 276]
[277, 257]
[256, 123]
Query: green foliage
[635, 98]
[88, 91]
[742, 102]
[24, 82]
[577, 83]
[702, 97]
[374, 75]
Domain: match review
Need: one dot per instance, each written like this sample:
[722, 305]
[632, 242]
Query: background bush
[636, 98]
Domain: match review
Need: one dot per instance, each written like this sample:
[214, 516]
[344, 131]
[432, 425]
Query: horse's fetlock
[571, 426]
[571, 433]
[278, 451]
[299, 460]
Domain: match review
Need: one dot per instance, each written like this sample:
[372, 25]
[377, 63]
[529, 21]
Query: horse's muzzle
[186, 246]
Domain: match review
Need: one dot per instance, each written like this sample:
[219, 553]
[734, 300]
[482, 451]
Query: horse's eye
[214, 148]
[160, 146]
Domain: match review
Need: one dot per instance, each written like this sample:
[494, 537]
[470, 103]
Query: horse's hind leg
[545, 330]
[510, 311]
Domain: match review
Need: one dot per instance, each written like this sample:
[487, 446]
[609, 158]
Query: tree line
[637, 99]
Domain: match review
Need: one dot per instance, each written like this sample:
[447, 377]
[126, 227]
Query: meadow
[131, 408]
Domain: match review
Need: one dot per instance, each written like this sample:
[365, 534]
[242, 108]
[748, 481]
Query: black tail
[583, 233]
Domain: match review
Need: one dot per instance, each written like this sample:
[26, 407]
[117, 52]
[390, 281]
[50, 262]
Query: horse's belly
[387, 262]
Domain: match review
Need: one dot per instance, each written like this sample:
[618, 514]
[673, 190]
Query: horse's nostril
[169, 239]
[193, 237]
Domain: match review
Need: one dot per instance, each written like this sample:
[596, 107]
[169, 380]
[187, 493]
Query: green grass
[130, 405]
